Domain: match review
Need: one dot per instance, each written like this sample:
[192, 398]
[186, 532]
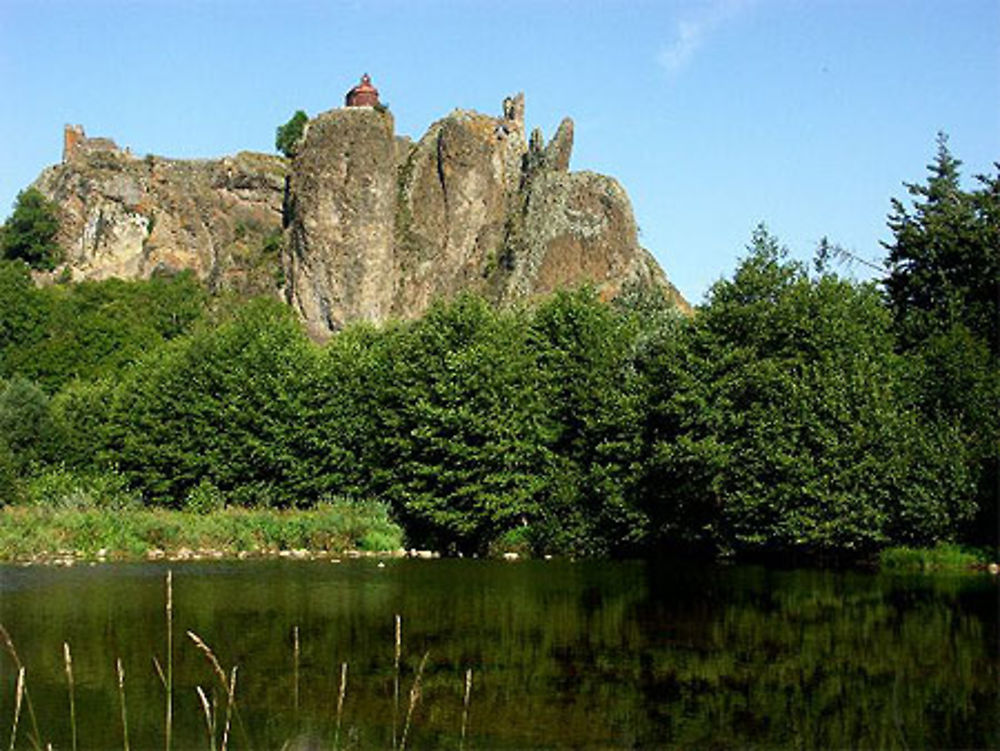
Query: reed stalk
[210, 655]
[340, 703]
[169, 682]
[9, 643]
[414, 698]
[465, 708]
[209, 724]
[295, 668]
[121, 696]
[18, 695]
[232, 708]
[395, 680]
[159, 672]
[68, 661]
[230, 702]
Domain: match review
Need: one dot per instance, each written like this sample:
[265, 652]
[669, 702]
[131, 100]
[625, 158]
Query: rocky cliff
[129, 217]
[379, 227]
[362, 224]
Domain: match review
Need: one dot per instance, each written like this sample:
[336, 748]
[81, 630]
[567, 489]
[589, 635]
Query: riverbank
[67, 536]
[942, 557]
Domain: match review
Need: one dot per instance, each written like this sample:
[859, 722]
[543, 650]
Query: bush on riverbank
[941, 557]
[27, 532]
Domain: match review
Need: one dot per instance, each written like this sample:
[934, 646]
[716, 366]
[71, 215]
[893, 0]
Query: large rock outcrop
[362, 224]
[380, 228]
[129, 217]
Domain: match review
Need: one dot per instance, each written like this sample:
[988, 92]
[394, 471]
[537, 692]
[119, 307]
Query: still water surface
[564, 655]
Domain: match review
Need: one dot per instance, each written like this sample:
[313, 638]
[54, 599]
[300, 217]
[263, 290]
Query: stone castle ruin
[76, 143]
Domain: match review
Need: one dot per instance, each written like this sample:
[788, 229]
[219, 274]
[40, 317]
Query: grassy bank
[942, 557]
[33, 532]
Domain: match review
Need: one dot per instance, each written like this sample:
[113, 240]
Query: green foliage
[29, 234]
[59, 488]
[944, 260]
[217, 406]
[943, 289]
[204, 498]
[590, 395]
[786, 424]
[86, 512]
[27, 429]
[54, 334]
[460, 452]
[286, 138]
[943, 556]
[10, 477]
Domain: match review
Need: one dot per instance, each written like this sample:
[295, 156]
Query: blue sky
[714, 114]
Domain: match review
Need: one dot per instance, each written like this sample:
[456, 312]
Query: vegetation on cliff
[797, 412]
[30, 233]
[286, 137]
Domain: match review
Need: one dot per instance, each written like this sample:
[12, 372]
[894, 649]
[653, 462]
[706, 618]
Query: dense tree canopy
[788, 424]
[944, 259]
[943, 289]
[29, 234]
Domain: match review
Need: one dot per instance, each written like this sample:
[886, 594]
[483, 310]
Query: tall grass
[414, 698]
[340, 703]
[68, 660]
[18, 696]
[121, 696]
[943, 557]
[36, 740]
[169, 682]
[218, 720]
[397, 653]
[228, 686]
[295, 669]
[465, 708]
[28, 531]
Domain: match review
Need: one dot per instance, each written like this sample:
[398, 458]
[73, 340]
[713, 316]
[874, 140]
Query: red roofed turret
[362, 95]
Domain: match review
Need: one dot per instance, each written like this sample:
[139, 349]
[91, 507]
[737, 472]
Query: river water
[562, 655]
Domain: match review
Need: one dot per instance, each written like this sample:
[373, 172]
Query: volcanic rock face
[127, 217]
[379, 229]
[341, 209]
[362, 224]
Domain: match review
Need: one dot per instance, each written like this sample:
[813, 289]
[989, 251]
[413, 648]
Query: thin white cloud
[692, 30]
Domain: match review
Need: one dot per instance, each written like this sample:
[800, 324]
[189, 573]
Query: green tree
[218, 406]
[26, 425]
[461, 451]
[29, 234]
[54, 334]
[787, 424]
[943, 288]
[944, 259]
[286, 138]
[583, 350]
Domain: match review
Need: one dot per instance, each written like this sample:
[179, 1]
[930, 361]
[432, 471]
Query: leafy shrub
[286, 137]
[30, 233]
[204, 498]
[945, 556]
[59, 488]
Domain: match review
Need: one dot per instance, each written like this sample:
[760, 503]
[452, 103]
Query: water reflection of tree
[580, 655]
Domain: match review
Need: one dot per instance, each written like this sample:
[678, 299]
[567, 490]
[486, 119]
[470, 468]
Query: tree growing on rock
[29, 234]
[287, 136]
